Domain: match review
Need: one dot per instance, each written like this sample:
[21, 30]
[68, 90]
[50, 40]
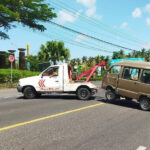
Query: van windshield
[115, 70]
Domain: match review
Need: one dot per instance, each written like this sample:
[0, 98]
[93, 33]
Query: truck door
[51, 79]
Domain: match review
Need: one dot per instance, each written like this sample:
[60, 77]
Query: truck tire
[145, 103]
[110, 95]
[83, 93]
[38, 95]
[29, 93]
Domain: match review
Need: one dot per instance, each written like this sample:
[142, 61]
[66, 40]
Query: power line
[70, 34]
[94, 22]
[104, 35]
[89, 36]
[55, 36]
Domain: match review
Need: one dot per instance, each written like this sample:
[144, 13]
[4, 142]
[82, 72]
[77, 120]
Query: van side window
[115, 70]
[145, 78]
[131, 73]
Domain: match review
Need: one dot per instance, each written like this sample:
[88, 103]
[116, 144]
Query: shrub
[5, 75]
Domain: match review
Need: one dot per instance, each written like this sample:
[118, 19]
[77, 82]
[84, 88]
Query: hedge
[17, 74]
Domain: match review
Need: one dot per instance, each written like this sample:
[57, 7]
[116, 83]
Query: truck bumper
[94, 91]
[19, 88]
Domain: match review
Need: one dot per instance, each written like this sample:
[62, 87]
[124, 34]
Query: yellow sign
[28, 46]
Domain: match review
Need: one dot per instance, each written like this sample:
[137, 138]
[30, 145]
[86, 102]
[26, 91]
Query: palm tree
[98, 59]
[84, 59]
[53, 51]
[119, 55]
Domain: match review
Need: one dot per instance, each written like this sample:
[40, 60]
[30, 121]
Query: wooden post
[22, 61]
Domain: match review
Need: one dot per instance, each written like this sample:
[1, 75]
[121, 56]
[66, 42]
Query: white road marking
[7, 97]
[141, 148]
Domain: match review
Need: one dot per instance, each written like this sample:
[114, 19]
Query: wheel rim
[30, 93]
[84, 93]
[145, 104]
[110, 96]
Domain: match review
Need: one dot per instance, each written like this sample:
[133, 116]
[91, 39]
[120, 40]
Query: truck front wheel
[29, 93]
[83, 93]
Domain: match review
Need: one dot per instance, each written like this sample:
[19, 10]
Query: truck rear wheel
[29, 93]
[83, 93]
[145, 103]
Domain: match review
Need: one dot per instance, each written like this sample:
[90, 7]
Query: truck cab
[58, 79]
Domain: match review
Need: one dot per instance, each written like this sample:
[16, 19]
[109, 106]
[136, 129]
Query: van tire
[145, 103]
[110, 95]
[83, 93]
[29, 93]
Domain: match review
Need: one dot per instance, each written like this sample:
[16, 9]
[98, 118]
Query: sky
[125, 23]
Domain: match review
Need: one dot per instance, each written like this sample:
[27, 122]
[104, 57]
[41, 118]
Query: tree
[34, 62]
[27, 12]
[118, 55]
[90, 59]
[84, 59]
[98, 59]
[54, 51]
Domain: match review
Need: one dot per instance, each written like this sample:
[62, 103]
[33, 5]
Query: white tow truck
[56, 78]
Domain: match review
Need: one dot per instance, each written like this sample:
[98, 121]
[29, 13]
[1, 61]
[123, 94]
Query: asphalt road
[77, 125]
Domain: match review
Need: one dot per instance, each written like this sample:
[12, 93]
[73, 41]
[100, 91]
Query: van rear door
[112, 76]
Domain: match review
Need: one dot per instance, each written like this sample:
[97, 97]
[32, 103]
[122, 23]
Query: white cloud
[87, 3]
[80, 38]
[147, 8]
[146, 45]
[98, 17]
[137, 13]
[124, 25]
[148, 21]
[91, 11]
[65, 16]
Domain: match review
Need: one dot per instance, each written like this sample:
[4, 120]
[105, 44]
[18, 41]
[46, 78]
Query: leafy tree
[98, 59]
[73, 62]
[119, 55]
[84, 59]
[54, 51]
[34, 62]
[27, 12]
[90, 59]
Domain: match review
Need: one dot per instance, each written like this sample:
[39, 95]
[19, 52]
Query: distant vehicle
[130, 80]
[58, 79]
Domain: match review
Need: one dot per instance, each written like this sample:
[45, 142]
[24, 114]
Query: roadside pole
[11, 60]
[11, 73]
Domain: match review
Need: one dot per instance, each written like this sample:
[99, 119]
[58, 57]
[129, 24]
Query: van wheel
[83, 93]
[110, 95]
[29, 93]
[145, 103]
